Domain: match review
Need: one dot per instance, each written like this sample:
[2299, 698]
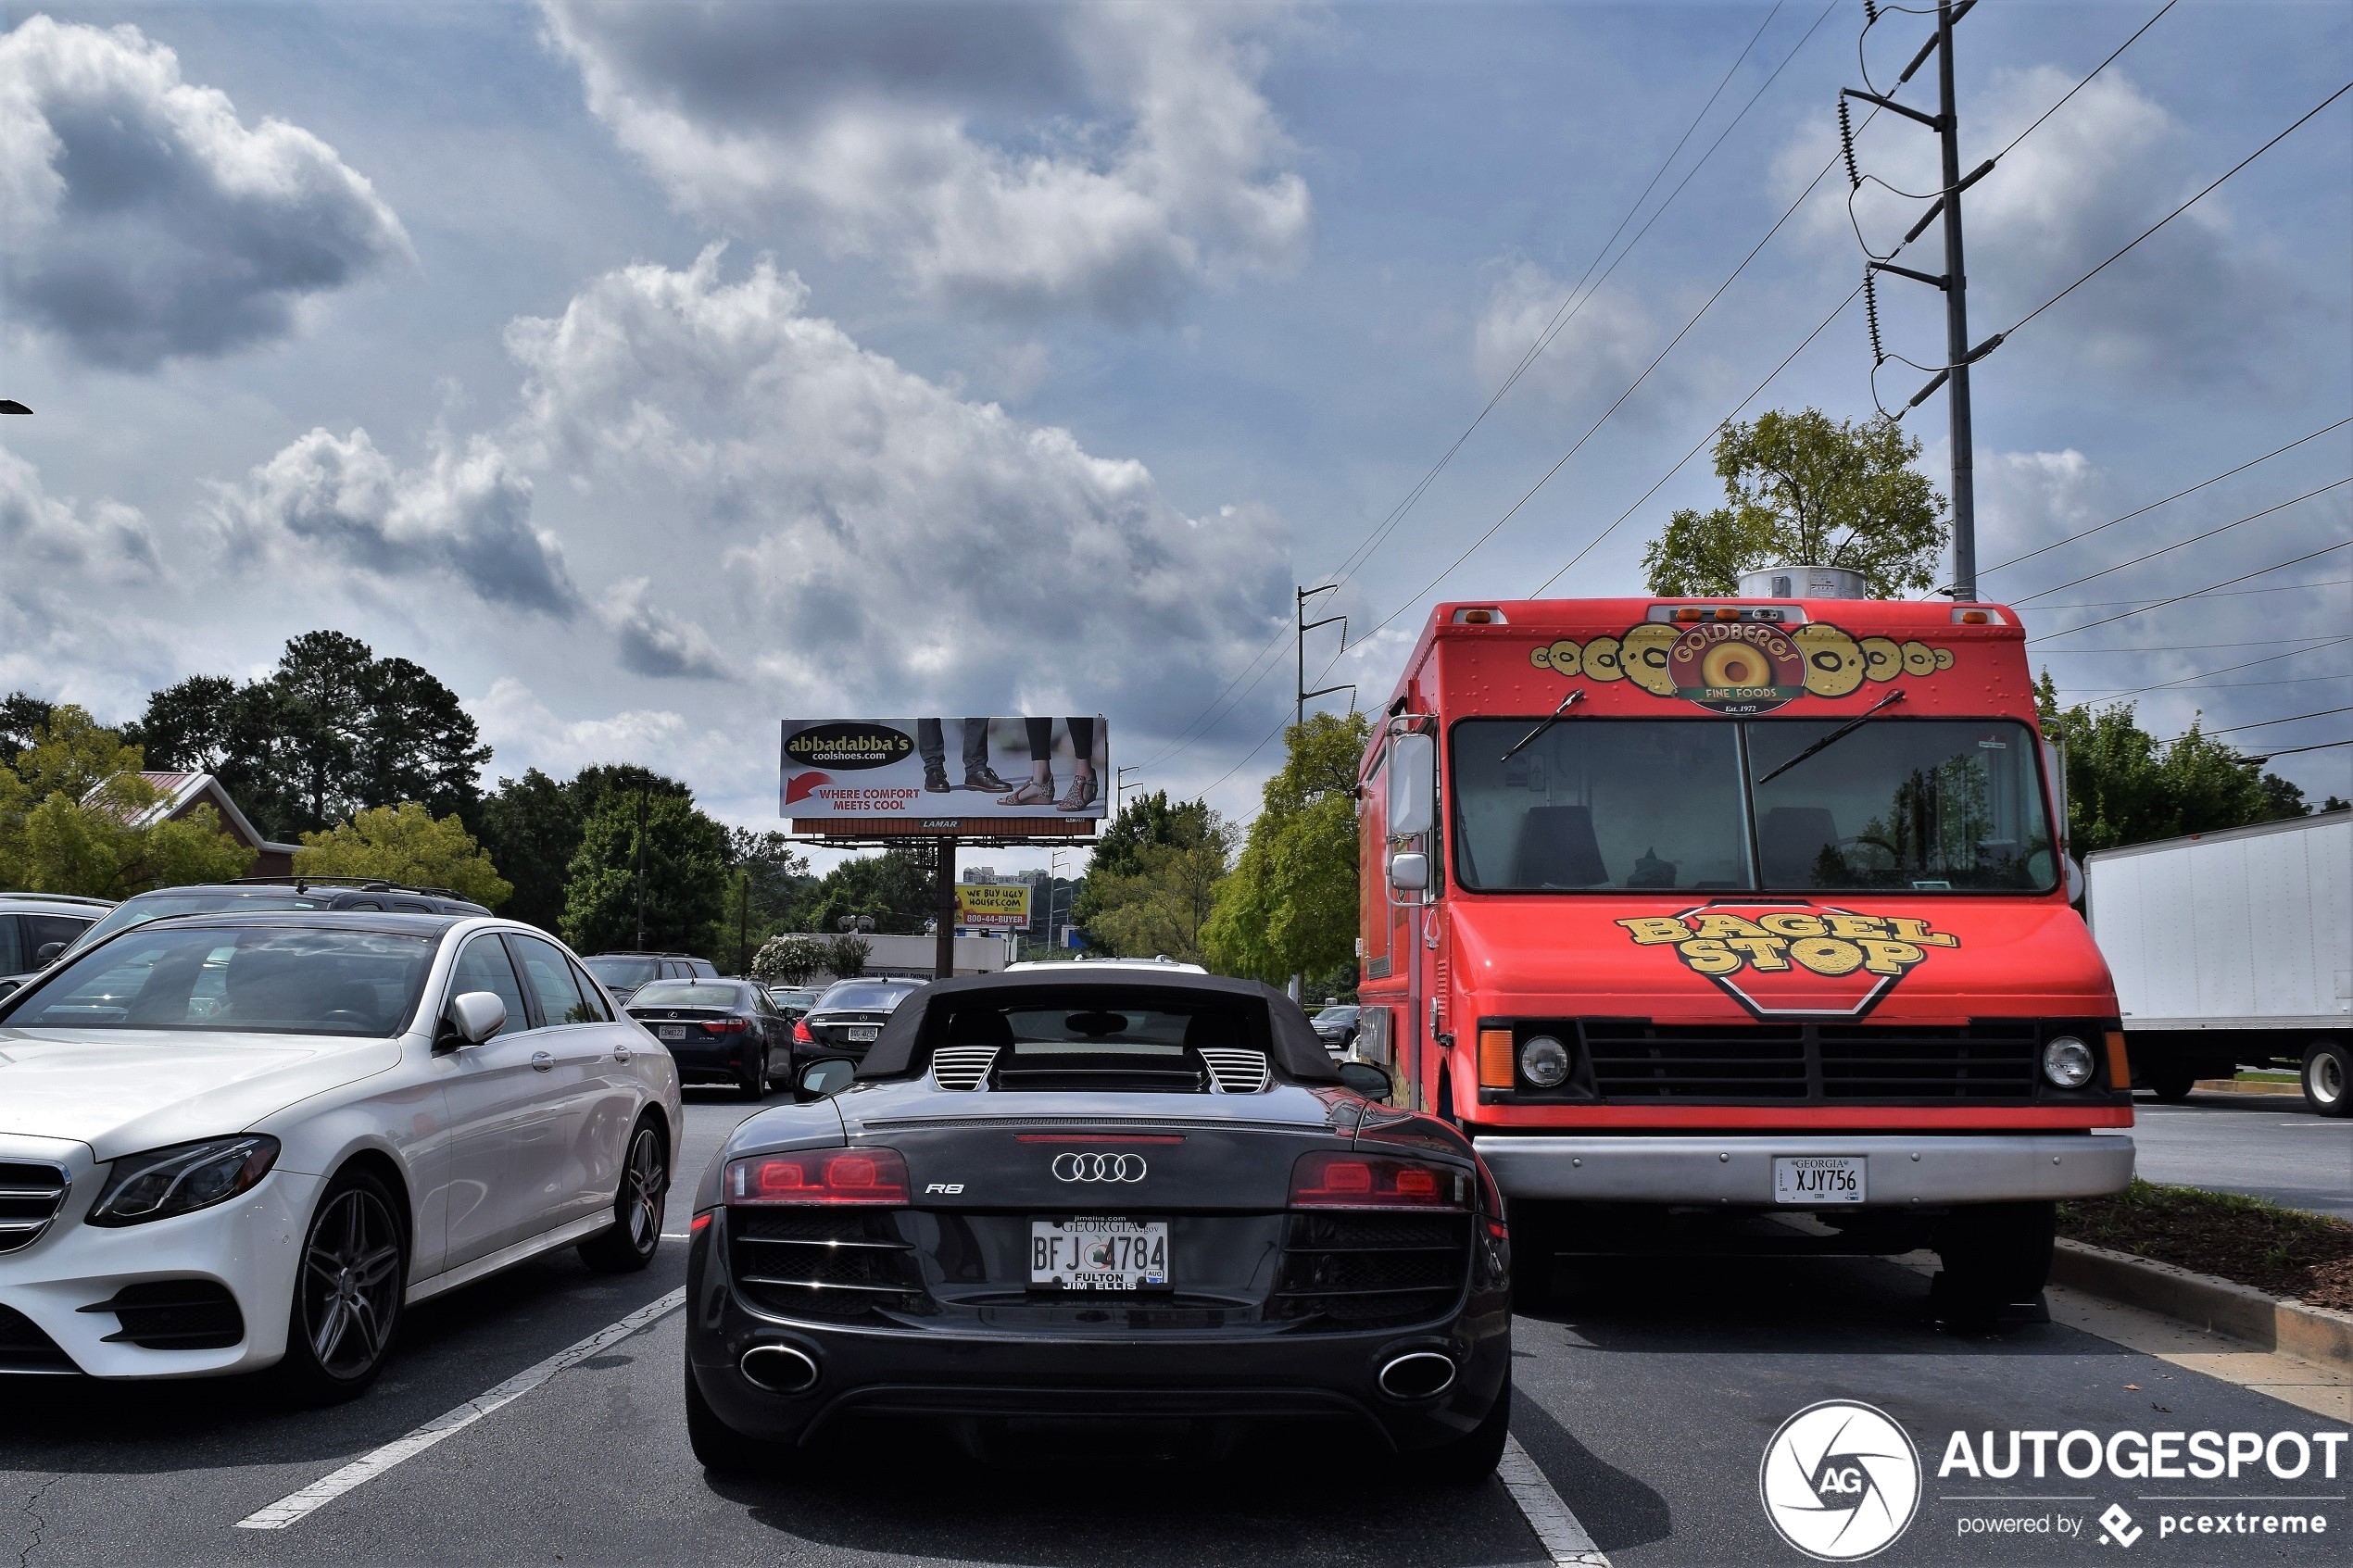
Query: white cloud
[1104, 158]
[40, 533]
[652, 640]
[525, 732]
[883, 541]
[1600, 349]
[465, 514]
[141, 219]
[2025, 500]
[2196, 302]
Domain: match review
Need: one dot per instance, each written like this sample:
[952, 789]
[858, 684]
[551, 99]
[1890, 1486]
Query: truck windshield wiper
[1553, 718]
[1838, 735]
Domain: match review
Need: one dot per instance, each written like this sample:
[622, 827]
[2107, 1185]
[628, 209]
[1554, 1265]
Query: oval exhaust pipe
[781, 1369]
[1419, 1375]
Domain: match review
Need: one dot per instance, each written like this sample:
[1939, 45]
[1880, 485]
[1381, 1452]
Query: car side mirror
[472, 1017]
[1409, 870]
[1365, 1079]
[47, 952]
[821, 1079]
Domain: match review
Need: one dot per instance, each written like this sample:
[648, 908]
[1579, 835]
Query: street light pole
[641, 869]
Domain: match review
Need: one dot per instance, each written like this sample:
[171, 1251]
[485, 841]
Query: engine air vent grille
[962, 1067]
[1237, 1072]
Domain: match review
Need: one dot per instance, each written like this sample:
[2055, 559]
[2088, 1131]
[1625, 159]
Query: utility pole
[1119, 788]
[1299, 646]
[943, 950]
[641, 869]
[1959, 355]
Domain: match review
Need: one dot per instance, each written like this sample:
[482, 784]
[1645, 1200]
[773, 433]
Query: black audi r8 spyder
[1105, 1197]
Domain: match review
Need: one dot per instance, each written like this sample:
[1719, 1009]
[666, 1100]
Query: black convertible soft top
[902, 1049]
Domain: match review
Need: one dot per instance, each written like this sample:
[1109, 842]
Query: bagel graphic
[1643, 653]
[1739, 668]
[1834, 661]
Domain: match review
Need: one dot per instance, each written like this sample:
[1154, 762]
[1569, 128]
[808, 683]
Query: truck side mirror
[1409, 871]
[1413, 782]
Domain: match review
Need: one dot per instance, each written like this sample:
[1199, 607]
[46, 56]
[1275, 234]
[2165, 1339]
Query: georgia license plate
[673, 1031]
[1093, 1253]
[862, 1033]
[1819, 1178]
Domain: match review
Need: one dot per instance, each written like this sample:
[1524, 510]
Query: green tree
[20, 716]
[77, 817]
[685, 877]
[847, 955]
[791, 958]
[531, 827]
[405, 844]
[2126, 786]
[1160, 905]
[897, 888]
[1289, 906]
[1805, 489]
[1146, 820]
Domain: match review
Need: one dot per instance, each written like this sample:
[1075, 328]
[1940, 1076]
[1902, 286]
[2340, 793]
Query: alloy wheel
[646, 1180]
[351, 1284]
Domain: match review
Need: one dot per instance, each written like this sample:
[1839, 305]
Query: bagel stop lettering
[1832, 943]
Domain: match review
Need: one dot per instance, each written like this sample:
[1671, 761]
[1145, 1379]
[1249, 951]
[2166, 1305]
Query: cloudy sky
[652, 372]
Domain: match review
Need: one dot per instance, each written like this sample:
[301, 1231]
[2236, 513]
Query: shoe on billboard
[985, 781]
[935, 778]
[1037, 792]
[1081, 795]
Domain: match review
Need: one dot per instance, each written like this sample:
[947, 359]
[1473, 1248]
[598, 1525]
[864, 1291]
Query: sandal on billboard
[1081, 795]
[1037, 792]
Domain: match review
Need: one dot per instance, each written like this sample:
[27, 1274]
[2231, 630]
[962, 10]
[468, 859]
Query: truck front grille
[1636, 1061]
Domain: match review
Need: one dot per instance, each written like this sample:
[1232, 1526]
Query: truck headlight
[1543, 1061]
[2067, 1061]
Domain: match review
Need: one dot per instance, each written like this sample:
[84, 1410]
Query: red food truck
[1752, 906]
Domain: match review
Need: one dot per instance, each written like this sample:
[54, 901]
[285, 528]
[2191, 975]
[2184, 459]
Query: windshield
[868, 995]
[155, 906]
[1931, 805]
[246, 979]
[623, 971]
[687, 994]
[1337, 1015]
[786, 998]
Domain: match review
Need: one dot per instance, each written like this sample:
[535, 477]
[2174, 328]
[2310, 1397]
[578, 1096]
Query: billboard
[915, 769]
[993, 906]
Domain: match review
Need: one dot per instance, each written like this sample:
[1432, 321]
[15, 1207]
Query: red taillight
[699, 1223]
[871, 1176]
[800, 1034]
[726, 1026]
[1359, 1181]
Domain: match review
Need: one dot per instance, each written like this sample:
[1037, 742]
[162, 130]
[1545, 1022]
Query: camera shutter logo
[1841, 1481]
[1099, 1167]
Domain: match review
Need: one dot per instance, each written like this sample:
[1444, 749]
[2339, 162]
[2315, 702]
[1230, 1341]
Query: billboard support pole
[943, 953]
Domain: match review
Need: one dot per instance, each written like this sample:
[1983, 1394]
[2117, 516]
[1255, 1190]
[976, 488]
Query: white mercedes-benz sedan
[237, 1141]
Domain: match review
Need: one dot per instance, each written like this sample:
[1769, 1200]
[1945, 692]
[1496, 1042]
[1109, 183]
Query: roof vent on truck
[1802, 583]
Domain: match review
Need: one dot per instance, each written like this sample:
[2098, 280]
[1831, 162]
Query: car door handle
[541, 1062]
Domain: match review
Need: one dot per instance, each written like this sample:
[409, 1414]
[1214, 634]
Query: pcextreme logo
[1742, 667]
[1784, 958]
[1840, 1481]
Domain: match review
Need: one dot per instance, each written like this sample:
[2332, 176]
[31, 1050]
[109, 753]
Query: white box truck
[2233, 948]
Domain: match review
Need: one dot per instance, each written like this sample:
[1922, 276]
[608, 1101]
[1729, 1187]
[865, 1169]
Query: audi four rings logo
[1099, 1167]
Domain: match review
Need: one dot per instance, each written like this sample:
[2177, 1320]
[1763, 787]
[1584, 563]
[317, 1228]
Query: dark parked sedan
[718, 1032]
[845, 1021]
[1336, 1026]
[1100, 1197]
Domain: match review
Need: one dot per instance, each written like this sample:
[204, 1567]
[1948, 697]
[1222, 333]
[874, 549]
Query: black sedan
[1103, 1197]
[845, 1021]
[718, 1032]
[1336, 1026]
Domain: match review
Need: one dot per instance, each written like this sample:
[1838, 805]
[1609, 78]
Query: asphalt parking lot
[2266, 1146]
[1645, 1400]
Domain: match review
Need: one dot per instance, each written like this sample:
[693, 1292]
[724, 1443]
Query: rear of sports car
[1065, 1229]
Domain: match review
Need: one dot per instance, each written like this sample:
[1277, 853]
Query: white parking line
[300, 1505]
[1565, 1539]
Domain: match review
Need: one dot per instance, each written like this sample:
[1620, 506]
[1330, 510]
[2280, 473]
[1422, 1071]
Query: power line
[2234, 594]
[2179, 210]
[2260, 724]
[2292, 750]
[2184, 647]
[2213, 685]
[2160, 604]
[2193, 539]
[2227, 668]
[2175, 497]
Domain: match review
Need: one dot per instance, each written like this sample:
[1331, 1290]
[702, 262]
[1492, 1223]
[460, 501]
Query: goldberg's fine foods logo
[1794, 956]
[1841, 1481]
[1740, 667]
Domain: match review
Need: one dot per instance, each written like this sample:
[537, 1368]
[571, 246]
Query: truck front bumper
[1905, 1170]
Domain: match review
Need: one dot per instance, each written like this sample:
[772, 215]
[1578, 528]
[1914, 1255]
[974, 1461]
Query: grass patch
[2246, 1240]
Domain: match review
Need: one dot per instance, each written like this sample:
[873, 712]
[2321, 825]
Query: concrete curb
[2241, 1087]
[2317, 1333]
